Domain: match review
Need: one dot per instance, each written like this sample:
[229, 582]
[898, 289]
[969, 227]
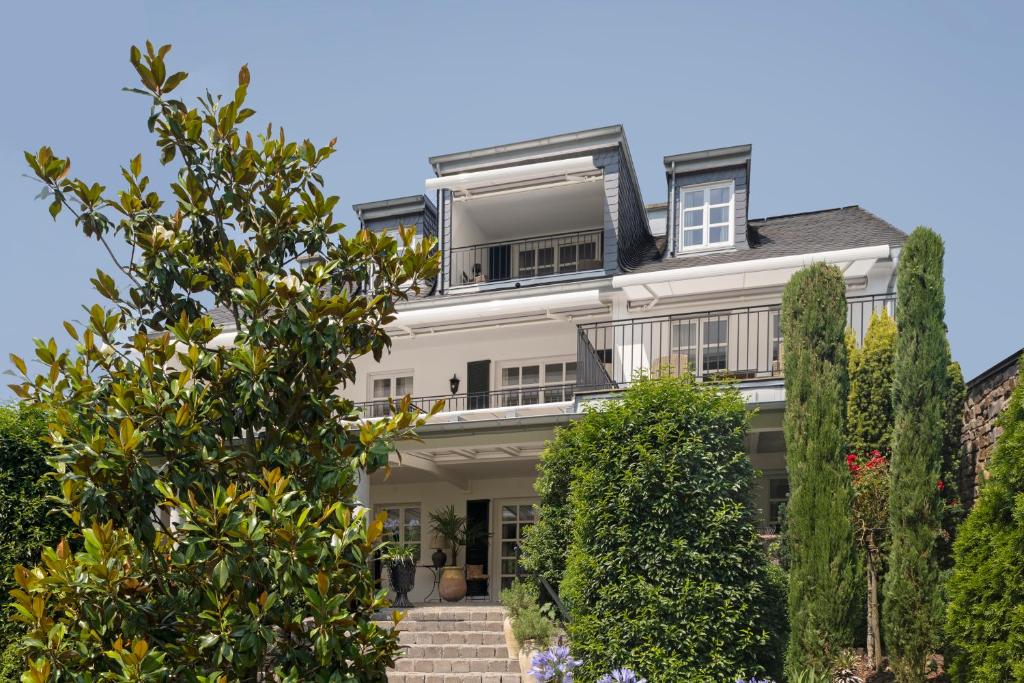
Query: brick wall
[987, 395]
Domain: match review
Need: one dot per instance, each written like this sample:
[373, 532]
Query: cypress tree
[912, 590]
[869, 416]
[986, 589]
[824, 595]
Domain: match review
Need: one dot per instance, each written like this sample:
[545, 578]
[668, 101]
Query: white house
[558, 283]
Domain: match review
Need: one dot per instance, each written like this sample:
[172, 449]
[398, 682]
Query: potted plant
[516, 599]
[451, 527]
[401, 563]
[534, 631]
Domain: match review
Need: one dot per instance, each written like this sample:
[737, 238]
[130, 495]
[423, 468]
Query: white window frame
[538, 388]
[378, 405]
[706, 224]
[403, 524]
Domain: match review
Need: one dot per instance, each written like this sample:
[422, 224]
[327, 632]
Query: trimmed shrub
[824, 581]
[546, 542]
[912, 591]
[986, 590]
[26, 525]
[869, 408]
[665, 572]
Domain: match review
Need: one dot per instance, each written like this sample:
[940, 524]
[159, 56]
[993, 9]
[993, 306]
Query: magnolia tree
[210, 470]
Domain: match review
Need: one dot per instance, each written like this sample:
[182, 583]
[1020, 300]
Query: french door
[512, 517]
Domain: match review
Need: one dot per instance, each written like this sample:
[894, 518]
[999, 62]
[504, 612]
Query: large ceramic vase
[403, 578]
[526, 654]
[453, 584]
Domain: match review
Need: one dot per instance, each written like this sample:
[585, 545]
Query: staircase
[453, 644]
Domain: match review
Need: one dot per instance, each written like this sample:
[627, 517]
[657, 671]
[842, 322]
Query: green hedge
[985, 626]
[665, 571]
[25, 525]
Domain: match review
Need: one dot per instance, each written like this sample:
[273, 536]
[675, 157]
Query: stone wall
[987, 395]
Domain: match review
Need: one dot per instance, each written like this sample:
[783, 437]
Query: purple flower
[754, 680]
[554, 665]
[621, 676]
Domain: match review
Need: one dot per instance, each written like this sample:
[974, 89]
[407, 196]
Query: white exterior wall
[433, 358]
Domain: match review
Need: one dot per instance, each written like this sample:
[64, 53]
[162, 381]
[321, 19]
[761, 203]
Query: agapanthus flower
[554, 665]
[622, 675]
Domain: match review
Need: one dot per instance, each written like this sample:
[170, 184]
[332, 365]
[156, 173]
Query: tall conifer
[912, 592]
[823, 597]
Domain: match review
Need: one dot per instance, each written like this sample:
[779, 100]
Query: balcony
[569, 252]
[518, 397]
[739, 343]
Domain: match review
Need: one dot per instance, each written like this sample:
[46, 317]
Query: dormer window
[707, 216]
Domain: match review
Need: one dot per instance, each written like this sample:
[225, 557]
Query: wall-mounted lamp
[453, 384]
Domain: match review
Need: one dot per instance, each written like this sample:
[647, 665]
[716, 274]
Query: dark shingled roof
[847, 227]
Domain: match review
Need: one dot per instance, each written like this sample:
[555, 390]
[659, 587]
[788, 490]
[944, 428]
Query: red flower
[940, 485]
[851, 458]
[875, 454]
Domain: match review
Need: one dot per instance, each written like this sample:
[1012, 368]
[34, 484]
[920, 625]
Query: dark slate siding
[737, 174]
[627, 237]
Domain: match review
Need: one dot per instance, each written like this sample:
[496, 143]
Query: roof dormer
[707, 208]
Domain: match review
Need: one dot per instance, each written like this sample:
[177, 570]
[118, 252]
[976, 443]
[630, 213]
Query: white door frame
[494, 570]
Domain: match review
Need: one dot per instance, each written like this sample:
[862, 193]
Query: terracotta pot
[511, 644]
[453, 584]
[526, 654]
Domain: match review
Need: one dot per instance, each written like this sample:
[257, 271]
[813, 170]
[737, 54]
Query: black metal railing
[570, 252]
[739, 343]
[478, 400]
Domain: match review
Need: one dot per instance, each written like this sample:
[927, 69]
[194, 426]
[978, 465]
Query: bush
[520, 596]
[546, 542]
[531, 624]
[985, 626]
[665, 572]
[26, 523]
[824, 581]
[869, 411]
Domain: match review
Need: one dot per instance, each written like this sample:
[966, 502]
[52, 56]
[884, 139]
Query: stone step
[444, 613]
[458, 666]
[456, 651]
[407, 677]
[448, 626]
[451, 637]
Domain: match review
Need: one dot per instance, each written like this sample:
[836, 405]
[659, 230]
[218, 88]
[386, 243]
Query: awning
[513, 174]
[520, 309]
[743, 275]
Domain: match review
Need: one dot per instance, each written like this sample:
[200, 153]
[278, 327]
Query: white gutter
[482, 311]
[751, 266]
[512, 174]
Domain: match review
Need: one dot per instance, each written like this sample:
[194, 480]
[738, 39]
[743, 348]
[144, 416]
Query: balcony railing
[739, 343]
[480, 400]
[570, 252]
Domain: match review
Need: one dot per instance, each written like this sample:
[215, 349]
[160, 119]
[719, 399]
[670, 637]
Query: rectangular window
[715, 348]
[402, 525]
[385, 387]
[778, 493]
[537, 383]
[707, 216]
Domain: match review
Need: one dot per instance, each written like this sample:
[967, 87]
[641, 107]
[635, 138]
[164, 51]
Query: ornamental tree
[823, 575]
[209, 470]
[913, 590]
[986, 590]
[870, 476]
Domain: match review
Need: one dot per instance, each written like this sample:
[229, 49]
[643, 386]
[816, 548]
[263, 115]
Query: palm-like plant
[455, 530]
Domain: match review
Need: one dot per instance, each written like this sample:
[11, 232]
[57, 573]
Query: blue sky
[911, 110]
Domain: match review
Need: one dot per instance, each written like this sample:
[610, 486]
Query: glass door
[513, 518]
